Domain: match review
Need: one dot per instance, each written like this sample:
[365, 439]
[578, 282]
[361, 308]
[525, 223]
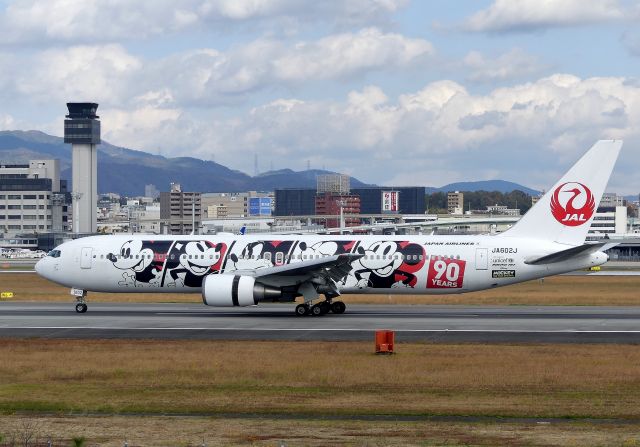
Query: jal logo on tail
[572, 204]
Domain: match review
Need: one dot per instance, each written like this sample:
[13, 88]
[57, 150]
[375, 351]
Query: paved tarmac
[510, 324]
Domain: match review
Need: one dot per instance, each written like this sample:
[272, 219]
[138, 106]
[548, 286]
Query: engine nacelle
[225, 290]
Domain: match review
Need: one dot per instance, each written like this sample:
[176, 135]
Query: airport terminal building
[33, 199]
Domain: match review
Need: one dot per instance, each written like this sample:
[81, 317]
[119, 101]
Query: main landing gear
[81, 298]
[322, 308]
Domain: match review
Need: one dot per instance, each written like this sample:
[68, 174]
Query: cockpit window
[54, 253]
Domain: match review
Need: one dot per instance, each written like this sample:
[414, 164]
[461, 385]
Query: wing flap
[573, 252]
[336, 266]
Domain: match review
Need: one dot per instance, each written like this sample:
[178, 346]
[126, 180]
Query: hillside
[127, 171]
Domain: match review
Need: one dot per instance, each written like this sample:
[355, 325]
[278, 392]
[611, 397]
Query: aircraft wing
[326, 271]
[334, 265]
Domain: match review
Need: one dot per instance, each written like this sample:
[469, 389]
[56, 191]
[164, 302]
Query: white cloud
[7, 122]
[344, 55]
[514, 64]
[101, 73]
[527, 133]
[112, 76]
[529, 15]
[211, 76]
[36, 21]
[157, 129]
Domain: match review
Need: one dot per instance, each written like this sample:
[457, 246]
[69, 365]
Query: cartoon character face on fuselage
[196, 259]
[249, 257]
[387, 264]
[136, 258]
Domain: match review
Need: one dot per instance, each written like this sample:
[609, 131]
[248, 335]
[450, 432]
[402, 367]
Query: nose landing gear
[81, 295]
[81, 308]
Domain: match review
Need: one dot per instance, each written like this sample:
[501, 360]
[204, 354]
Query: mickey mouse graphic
[250, 257]
[414, 258]
[387, 264]
[138, 260]
[196, 259]
[323, 248]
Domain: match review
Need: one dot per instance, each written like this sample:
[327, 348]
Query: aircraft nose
[43, 268]
[39, 267]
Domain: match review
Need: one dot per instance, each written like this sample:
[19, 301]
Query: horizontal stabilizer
[573, 252]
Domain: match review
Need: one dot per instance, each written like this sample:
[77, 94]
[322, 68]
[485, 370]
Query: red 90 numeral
[445, 273]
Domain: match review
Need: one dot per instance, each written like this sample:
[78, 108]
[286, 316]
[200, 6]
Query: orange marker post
[385, 340]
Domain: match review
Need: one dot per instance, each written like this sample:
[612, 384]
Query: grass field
[290, 379]
[255, 393]
[220, 431]
[558, 290]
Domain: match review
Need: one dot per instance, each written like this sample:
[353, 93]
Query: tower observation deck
[82, 131]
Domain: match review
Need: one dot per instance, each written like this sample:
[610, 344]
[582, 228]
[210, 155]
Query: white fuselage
[389, 264]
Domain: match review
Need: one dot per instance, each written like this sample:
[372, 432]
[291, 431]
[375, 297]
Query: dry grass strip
[113, 431]
[213, 377]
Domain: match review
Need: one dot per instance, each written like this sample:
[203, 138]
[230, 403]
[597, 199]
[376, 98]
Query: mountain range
[126, 171]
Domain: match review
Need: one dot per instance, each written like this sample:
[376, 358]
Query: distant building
[329, 204]
[503, 210]
[260, 206]
[333, 183]
[455, 202]
[220, 205]
[535, 199]
[178, 210]
[301, 201]
[145, 219]
[33, 198]
[608, 221]
[610, 200]
[295, 202]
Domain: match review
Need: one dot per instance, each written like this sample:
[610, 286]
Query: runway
[510, 324]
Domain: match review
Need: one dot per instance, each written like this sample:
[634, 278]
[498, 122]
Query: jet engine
[225, 290]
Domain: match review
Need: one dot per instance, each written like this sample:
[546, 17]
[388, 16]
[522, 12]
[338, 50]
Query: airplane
[230, 270]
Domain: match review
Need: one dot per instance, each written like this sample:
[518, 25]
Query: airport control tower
[82, 131]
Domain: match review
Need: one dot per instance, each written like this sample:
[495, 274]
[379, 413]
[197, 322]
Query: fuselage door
[482, 259]
[86, 257]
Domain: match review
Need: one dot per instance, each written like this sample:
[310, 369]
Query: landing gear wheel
[316, 310]
[325, 307]
[302, 310]
[338, 307]
[81, 308]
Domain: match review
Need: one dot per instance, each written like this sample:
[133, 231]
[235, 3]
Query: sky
[393, 92]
